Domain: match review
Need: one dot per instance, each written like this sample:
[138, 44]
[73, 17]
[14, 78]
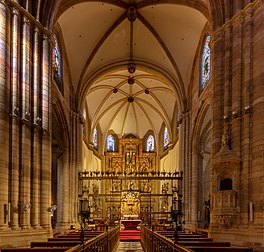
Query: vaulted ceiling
[159, 37]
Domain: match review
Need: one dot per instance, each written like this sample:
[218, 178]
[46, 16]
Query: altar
[130, 224]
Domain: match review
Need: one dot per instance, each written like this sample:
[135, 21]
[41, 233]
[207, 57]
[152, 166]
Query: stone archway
[60, 165]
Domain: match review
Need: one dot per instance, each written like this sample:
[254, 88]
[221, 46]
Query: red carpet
[130, 235]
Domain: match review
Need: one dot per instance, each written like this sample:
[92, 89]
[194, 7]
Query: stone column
[25, 128]
[236, 85]
[36, 131]
[194, 184]
[14, 121]
[258, 114]
[186, 168]
[4, 115]
[246, 118]
[64, 194]
[76, 166]
[45, 171]
[237, 5]
[227, 4]
[227, 67]
[217, 93]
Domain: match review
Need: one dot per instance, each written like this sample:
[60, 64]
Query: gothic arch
[199, 136]
[60, 163]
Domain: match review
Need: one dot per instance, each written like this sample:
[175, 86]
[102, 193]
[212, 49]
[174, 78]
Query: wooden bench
[66, 239]
[203, 243]
[55, 244]
[86, 232]
[195, 239]
[219, 249]
[35, 249]
[182, 236]
[202, 231]
[77, 235]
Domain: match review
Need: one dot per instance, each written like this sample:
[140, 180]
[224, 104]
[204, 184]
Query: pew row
[219, 249]
[35, 249]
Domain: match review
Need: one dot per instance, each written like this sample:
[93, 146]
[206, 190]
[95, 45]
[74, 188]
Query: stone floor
[129, 247]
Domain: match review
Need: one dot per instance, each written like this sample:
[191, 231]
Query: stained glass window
[150, 143]
[206, 62]
[110, 143]
[165, 138]
[57, 62]
[95, 138]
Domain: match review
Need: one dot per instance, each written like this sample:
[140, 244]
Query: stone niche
[225, 186]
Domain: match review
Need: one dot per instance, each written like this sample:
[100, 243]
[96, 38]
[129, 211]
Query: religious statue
[165, 188]
[95, 189]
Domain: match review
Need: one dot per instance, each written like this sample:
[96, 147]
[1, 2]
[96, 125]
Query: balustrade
[107, 241]
[154, 242]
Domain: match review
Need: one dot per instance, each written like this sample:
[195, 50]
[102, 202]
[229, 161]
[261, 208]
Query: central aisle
[130, 247]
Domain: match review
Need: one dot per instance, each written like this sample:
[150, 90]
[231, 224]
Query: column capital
[47, 38]
[36, 29]
[25, 20]
[15, 11]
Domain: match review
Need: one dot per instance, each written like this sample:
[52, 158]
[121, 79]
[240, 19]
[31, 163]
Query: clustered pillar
[25, 120]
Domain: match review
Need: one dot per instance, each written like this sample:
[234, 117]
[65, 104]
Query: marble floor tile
[130, 247]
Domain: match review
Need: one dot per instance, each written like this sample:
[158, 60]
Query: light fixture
[226, 118]
[247, 109]
[235, 114]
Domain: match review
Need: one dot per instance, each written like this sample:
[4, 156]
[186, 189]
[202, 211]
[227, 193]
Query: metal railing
[154, 242]
[105, 242]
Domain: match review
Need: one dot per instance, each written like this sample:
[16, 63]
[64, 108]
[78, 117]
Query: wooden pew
[35, 249]
[204, 244]
[182, 236]
[66, 239]
[55, 244]
[195, 239]
[204, 232]
[198, 242]
[219, 249]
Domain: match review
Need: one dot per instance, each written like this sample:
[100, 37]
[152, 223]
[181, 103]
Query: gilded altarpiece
[126, 194]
